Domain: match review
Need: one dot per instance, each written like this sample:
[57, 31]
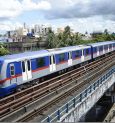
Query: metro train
[17, 69]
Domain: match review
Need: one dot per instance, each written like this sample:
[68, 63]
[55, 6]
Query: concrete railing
[73, 103]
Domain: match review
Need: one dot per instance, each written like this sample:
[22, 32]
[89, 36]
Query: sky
[80, 15]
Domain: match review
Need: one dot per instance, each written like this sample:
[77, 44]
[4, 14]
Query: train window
[40, 62]
[23, 66]
[114, 45]
[61, 57]
[95, 49]
[77, 54]
[53, 59]
[86, 52]
[50, 60]
[110, 46]
[105, 47]
[12, 73]
[28, 63]
[69, 55]
[101, 48]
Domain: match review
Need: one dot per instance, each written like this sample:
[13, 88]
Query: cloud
[7, 25]
[12, 8]
[58, 9]
[9, 9]
[81, 15]
[29, 5]
[97, 23]
[81, 9]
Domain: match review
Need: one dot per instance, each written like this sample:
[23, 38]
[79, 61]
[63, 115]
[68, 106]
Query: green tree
[1, 35]
[67, 31]
[66, 37]
[53, 40]
[106, 31]
[3, 51]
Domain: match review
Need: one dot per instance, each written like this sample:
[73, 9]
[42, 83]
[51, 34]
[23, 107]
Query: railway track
[29, 116]
[21, 99]
[43, 84]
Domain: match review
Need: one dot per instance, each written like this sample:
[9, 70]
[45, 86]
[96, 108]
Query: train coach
[21, 68]
[101, 48]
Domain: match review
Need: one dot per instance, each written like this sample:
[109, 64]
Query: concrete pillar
[83, 118]
[113, 98]
[91, 115]
[97, 110]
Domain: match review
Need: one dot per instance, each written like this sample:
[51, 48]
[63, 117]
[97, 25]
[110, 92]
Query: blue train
[21, 68]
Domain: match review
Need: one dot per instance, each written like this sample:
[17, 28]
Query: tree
[106, 32]
[86, 32]
[1, 35]
[66, 37]
[67, 30]
[50, 39]
[53, 41]
[3, 51]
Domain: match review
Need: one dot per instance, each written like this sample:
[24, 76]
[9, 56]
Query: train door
[12, 73]
[97, 51]
[52, 63]
[103, 50]
[83, 55]
[108, 48]
[26, 70]
[69, 58]
[112, 47]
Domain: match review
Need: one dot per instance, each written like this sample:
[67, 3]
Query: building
[41, 30]
[60, 30]
[11, 35]
[86, 37]
[20, 34]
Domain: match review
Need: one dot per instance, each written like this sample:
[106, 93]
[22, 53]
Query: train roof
[60, 50]
[25, 55]
[70, 48]
[66, 49]
[42, 53]
[84, 46]
[102, 43]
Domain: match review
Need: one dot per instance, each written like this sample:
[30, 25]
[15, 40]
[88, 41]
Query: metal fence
[78, 99]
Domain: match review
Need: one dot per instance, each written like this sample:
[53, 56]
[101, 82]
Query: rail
[34, 92]
[42, 108]
[78, 99]
[13, 102]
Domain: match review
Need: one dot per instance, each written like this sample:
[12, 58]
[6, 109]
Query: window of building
[61, 57]
[40, 62]
[12, 71]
